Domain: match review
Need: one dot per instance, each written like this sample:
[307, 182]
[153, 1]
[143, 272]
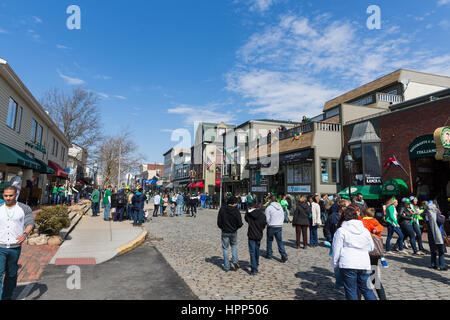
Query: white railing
[391, 98]
[324, 126]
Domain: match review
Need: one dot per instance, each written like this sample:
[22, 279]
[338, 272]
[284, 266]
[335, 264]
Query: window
[335, 171]
[372, 159]
[63, 153]
[39, 134]
[12, 112]
[19, 119]
[56, 149]
[324, 170]
[33, 131]
[299, 174]
[53, 146]
[357, 169]
[331, 113]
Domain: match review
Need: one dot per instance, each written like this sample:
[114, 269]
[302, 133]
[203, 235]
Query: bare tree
[77, 115]
[108, 153]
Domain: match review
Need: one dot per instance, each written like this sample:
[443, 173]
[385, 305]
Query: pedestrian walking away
[156, 201]
[229, 220]
[300, 221]
[257, 222]
[350, 253]
[16, 224]
[275, 218]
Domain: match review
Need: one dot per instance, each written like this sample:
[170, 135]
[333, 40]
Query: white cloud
[3, 31]
[121, 97]
[443, 2]
[37, 19]
[295, 65]
[261, 5]
[103, 77]
[206, 113]
[71, 81]
[60, 46]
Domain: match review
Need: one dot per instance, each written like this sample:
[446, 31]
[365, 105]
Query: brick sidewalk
[33, 260]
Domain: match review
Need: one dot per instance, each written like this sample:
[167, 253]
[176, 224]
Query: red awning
[58, 170]
[201, 184]
[189, 185]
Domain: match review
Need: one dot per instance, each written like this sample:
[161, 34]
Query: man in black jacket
[229, 220]
[138, 202]
[121, 203]
[257, 222]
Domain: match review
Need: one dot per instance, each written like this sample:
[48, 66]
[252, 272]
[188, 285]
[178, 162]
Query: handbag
[378, 250]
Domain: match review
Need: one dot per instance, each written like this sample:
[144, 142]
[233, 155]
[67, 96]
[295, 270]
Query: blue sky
[160, 66]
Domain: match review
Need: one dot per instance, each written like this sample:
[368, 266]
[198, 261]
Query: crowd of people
[351, 229]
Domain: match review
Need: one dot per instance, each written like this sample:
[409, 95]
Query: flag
[394, 161]
[298, 136]
[209, 163]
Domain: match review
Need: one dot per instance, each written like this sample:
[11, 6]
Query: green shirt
[55, 190]
[96, 196]
[105, 198]
[62, 192]
[391, 217]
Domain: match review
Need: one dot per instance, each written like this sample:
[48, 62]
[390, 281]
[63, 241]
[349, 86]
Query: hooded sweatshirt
[229, 219]
[351, 246]
[275, 215]
[256, 224]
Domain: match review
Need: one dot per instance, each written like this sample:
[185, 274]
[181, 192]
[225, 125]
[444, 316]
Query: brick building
[406, 132]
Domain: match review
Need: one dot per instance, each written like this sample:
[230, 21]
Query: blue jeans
[119, 214]
[391, 230]
[162, 209]
[54, 198]
[95, 208]
[172, 211]
[354, 281]
[69, 200]
[227, 239]
[434, 258]
[416, 228]
[203, 204]
[253, 248]
[179, 210]
[129, 209]
[408, 231]
[276, 232]
[286, 218]
[313, 240]
[9, 267]
[106, 211]
[138, 217]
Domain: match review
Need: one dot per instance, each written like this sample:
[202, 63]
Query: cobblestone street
[192, 247]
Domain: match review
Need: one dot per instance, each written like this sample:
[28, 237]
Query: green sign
[442, 140]
[36, 146]
[423, 147]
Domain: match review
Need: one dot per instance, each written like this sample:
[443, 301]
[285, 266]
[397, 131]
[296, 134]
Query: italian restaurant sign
[423, 147]
[442, 140]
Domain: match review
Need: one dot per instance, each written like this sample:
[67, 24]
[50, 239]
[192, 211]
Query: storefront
[298, 168]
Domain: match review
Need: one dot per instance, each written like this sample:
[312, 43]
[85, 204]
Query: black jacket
[229, 219]
[301, 215]
[121, 199]
[114, 200]
[404, 216]
[256, 223]
[138, 201]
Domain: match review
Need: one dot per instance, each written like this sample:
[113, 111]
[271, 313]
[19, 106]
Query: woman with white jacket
[315, 221]
[352, 243]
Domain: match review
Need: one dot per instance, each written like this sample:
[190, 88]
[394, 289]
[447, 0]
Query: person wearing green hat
[417, 217]
[405, 221]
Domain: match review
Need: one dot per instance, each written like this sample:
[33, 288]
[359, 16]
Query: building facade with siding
[28, 135]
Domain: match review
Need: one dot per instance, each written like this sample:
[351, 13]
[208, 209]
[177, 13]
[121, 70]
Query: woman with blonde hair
[393, 226]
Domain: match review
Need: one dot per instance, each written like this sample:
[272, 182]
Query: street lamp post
[348, 165]
[95, 173]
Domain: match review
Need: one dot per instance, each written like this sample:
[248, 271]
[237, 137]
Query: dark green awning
[45, 169]
[368, 192]
[15, 157]
[395, 187]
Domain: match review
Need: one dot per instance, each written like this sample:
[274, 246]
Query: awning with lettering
[58, 170]
[12, 156]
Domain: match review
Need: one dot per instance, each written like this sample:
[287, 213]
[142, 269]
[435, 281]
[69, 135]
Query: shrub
[51, 220]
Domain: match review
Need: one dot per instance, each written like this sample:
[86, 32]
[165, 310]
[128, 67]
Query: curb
[133, 244]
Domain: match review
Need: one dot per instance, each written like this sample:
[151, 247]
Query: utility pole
[120, 153]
